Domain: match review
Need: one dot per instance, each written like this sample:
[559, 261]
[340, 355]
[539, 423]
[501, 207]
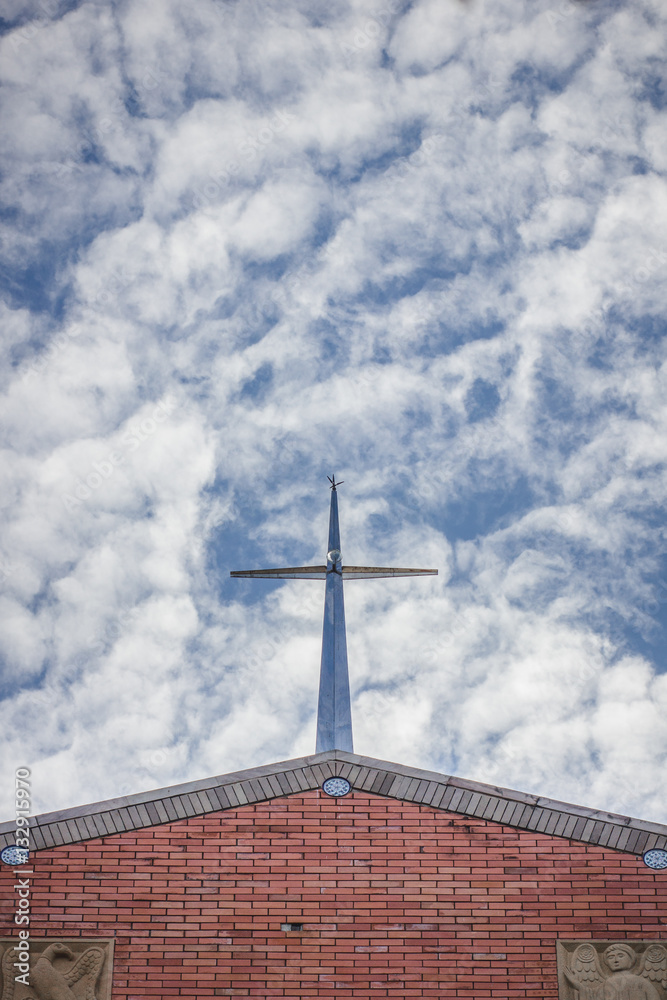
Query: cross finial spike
[334, 484]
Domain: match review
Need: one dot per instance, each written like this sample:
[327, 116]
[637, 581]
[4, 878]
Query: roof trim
[409, 784]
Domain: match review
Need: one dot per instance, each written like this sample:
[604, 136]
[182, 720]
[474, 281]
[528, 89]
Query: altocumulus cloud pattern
[421, 245]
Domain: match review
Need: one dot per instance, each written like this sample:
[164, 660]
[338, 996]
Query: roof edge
[430, 788]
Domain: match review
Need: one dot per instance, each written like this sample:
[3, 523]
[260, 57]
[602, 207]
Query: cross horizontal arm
[320, 573]
[380, 572]
[289, 573]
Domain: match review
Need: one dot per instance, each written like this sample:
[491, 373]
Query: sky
[421, 245]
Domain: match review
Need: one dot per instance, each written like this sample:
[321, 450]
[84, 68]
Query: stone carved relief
[612, 970]
[71, 969]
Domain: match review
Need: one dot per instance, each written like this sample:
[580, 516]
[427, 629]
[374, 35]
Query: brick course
[396, 900]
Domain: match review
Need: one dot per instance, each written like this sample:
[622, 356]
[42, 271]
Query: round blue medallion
[655, 858]
[14, 855]
[336, 787]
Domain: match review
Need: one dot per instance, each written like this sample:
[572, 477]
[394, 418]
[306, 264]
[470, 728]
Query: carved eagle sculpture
[50, 983]
[621, 975]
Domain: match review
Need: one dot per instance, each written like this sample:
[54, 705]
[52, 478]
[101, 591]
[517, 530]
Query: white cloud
[421, 248]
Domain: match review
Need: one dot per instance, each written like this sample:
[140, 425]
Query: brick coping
[259, 784]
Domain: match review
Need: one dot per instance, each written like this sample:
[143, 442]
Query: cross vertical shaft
[334, 715]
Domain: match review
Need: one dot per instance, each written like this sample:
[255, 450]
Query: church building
[334, 876]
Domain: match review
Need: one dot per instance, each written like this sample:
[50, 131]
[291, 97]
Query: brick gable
[396, 899]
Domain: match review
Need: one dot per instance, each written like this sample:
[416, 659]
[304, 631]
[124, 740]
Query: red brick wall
[397, 900]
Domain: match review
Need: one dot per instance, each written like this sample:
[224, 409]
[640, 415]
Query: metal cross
[334, 718]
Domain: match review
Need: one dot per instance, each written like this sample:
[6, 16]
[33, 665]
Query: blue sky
[422, 245]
